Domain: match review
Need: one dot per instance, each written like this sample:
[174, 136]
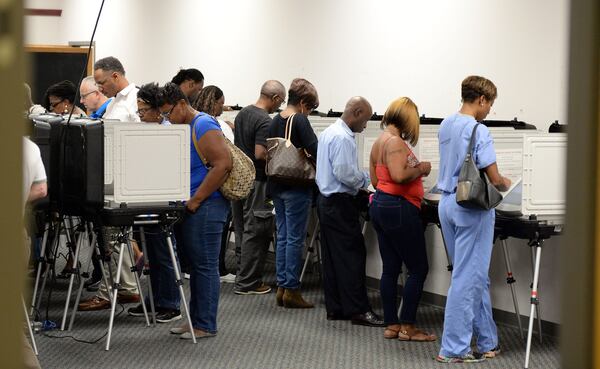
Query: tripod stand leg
[29, 327]
[449, 267]
[147, 273]
[511, 280]
[55, 245]
[80, 290]
[41, 263]
[179, 283]
[115, 287]
[310, 250]
[137, 278]
[82, 237]
[538, 315]
[534, 302]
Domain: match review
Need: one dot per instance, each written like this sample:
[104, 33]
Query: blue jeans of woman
[401, 240]
[202, 236]
[291, 216]
[162, 274]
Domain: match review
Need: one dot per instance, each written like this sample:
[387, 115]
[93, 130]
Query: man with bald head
[253, 217]
[95, 102]
[342, 244]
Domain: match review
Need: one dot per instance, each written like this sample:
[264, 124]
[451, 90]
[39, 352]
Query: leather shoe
[128, 299]
[93, 304]
[369, 319]
[336, 316]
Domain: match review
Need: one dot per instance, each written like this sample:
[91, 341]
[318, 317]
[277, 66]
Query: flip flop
[417, 336]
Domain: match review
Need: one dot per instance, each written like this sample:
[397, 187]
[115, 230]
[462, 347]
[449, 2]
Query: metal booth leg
[310, 250]
[113, 302]
[50, 264]
[85, 275]
[510, 280]
[147, 274]
[41, 263]
[534, 298]
[29, 327]
[82, 237]
[137, 277]
[167, 233]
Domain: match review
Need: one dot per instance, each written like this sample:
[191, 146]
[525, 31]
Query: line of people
[340, 195]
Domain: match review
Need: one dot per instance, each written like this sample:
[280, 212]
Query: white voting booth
[146, 163]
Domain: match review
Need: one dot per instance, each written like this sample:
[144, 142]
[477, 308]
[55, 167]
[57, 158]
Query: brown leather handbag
[286, 163]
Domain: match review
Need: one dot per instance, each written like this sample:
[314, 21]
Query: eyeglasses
[167, 114]
[141, 112]
[88, 94]
[280, 98]
[53, 104]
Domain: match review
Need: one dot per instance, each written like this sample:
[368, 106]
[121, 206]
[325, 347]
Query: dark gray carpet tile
[255, 333]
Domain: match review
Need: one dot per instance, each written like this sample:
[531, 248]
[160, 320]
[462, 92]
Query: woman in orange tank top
[395, 214]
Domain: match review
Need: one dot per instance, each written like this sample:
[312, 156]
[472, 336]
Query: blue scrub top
[454, 136]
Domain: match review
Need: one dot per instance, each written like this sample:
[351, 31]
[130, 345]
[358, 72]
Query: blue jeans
[401, 241]
[469, 237]
[162, 274]
[202, 236]
[291, 215]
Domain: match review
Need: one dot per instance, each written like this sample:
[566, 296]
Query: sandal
[416, 335]
[391, 332]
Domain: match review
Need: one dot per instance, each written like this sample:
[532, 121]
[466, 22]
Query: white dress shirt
[124, 106]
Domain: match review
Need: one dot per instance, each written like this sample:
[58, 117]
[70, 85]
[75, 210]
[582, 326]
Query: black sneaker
[92, 284]
[168, 315]
[137, 311]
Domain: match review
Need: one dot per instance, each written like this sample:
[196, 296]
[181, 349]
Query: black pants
[343, 254]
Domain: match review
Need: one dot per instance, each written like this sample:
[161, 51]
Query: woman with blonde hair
[395, 213]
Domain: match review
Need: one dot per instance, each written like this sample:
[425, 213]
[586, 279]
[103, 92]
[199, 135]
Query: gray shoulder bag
[474, 190]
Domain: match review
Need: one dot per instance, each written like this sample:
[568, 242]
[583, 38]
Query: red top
[411, 191]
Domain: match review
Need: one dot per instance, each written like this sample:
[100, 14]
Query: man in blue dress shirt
[343, 246]
[95, 102]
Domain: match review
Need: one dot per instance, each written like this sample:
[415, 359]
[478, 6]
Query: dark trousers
[222, 268]
[343, 254]
[401, 240]
[253, 223]
[162, 273]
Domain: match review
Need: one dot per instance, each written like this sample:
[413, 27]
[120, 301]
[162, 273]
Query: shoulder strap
[382, 151]
[472, 142]
[195, 140]
[288, 128]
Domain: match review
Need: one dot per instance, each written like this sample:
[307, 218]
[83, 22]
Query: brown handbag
[286, 163]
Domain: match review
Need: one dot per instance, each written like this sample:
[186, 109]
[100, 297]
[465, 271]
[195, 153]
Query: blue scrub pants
[469, 238]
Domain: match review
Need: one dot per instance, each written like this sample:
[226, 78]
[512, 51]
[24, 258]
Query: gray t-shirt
[252, 128]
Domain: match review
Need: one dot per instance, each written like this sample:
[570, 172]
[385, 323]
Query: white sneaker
[186, 276]
[229, 278]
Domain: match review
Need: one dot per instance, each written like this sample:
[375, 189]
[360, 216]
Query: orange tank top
[411, 191]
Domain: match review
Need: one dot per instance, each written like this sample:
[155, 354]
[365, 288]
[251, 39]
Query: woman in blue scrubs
[468, 233]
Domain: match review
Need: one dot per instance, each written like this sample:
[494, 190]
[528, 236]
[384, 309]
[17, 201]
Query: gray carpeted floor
[255, 333]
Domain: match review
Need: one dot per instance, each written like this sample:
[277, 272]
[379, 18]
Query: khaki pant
[128, 285]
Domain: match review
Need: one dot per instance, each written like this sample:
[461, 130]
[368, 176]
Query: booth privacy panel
[150, 162]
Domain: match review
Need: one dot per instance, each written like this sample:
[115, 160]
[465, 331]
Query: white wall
[380, 49]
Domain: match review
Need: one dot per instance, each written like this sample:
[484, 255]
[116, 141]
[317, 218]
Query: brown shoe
[293, 299]
[93, 304]
[279, 296]
[128, 299]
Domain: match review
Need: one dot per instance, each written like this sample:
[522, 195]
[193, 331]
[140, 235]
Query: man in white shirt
[109, 75]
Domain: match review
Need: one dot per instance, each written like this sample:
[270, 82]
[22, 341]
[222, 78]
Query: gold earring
[66, 110]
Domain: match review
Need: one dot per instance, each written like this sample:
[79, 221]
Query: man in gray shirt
[253, 217]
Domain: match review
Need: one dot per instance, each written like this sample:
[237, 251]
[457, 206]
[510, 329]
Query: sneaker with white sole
[260, 290]
[228, 278]
[492, 353]
[471, 357]
[168, 315]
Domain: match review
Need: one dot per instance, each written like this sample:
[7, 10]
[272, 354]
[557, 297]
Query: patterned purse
[239, 183]
[286, 163]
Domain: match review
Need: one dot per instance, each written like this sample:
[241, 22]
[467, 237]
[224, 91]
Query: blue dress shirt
[337, 162]
[100, 112]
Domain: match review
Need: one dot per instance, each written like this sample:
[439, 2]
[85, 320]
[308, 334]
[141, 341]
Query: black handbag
[474, 190]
